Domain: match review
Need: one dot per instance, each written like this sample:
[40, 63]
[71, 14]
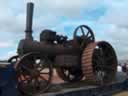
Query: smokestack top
[29, 17]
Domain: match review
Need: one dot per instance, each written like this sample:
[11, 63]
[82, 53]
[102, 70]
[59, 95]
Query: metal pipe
[29, 17]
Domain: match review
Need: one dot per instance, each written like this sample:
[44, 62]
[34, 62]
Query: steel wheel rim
[87, 37]
[89, 65]
[107, 72]
[34, 76]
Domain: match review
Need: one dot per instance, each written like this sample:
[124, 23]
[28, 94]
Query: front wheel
[34, 73]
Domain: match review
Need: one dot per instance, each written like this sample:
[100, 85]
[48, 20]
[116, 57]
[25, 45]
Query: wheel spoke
[41, 77]
[27, 68]
[82, 30]
[87, 34]
[41, 68]
[90, 38]
[44, 73]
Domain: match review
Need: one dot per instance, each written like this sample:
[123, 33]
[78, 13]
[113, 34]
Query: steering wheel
[85, 38]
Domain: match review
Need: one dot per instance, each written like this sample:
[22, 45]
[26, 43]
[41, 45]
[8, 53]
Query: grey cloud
[117, 33]
[47, 13]
[62, 7]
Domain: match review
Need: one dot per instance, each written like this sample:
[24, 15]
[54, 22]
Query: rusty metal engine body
[81, 58]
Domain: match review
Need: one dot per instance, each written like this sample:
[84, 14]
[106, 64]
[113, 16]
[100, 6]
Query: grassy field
[121, 94]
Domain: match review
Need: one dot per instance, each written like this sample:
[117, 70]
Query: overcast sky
[107, 18]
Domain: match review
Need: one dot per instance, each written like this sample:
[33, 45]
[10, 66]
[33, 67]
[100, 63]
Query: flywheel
[99, 62]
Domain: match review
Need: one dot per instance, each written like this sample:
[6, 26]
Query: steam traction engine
[78, 59]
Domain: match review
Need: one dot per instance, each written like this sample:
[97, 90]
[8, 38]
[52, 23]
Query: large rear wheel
[99, 62]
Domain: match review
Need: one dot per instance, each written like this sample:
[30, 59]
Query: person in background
[125, 68]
